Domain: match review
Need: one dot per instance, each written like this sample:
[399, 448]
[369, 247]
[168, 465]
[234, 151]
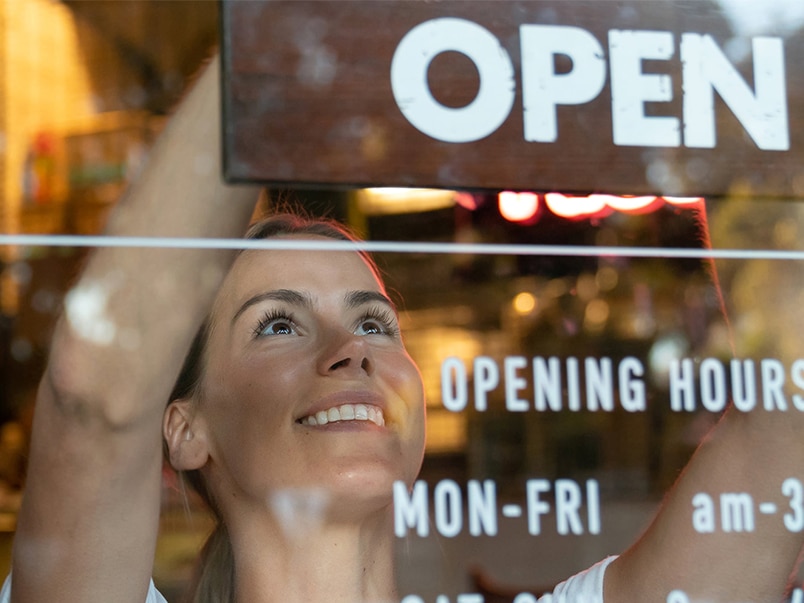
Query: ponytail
[213, 579]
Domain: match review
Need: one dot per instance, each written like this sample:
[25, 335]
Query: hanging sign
[658, 97]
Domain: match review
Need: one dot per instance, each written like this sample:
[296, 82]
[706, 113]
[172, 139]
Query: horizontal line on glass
[396, 247]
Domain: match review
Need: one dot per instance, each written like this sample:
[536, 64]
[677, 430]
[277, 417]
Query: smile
[346, 412]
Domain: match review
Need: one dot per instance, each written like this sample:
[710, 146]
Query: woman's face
[307, 382]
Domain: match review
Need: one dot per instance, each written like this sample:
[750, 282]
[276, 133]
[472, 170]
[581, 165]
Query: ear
[184, 435]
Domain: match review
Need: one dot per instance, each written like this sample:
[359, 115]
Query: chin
[360, 493]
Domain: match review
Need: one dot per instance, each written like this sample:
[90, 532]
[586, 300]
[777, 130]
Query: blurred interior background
[85, 87]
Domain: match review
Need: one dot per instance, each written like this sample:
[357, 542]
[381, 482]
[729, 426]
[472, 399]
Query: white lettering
[573, 384]
[410, 508]
[703, 515]
[682, 385]
[451, 509]
[705, 70]
[763, 112]
[713, 385]
[714, 382]
[736, 512]
[487, 377]
[793, 489]
[536, 507]
[599, 384]
[632, 389]
[454, 390]
[568, 503]
[772, 372]
[743, 384]
[514, 383]
[797, 371]
[593, 506]
[547, 383]
[593, 389]
[543, 89]
[482, 507]
[448, 504]
[494, 100]
[631, 89]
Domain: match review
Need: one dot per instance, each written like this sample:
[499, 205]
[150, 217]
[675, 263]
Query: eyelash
[385, 318]
[270, 317]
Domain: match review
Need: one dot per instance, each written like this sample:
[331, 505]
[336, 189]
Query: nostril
[340, 364]
[365, 364]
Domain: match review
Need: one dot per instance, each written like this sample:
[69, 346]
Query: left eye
[277, 324]
[371, 327]
[278, 327]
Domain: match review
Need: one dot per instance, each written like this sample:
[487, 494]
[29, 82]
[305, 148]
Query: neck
[313, 560]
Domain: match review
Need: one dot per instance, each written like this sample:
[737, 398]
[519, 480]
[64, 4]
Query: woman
[297, 345]
[302, 361]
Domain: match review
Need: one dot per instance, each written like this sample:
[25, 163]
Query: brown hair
[214, 576]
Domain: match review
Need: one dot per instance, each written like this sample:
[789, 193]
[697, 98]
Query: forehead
[320, 273]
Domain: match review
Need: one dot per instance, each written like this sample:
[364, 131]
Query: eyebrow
[352, 299]
[288, 296]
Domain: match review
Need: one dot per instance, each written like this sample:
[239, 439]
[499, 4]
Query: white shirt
[153, 596]
[585, 587]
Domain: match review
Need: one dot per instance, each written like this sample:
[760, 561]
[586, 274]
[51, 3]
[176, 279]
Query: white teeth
[375, 416]
[346, 412]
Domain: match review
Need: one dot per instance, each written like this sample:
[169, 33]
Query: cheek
[262, 379]
[250, 399]
[407, 382]
[411, 380]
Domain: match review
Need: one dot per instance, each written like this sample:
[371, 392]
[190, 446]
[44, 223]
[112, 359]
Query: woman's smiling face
[307, 383]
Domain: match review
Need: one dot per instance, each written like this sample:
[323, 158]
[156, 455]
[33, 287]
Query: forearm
[135, 310]
[690, 548]
[89, 517]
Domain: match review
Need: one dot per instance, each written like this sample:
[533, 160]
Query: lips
[344, 413]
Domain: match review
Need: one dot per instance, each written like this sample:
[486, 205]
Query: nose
[345, 354]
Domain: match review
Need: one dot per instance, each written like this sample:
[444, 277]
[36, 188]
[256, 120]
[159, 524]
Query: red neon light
[599, 205]
[467, 201]
[576, 208]
[524, 207]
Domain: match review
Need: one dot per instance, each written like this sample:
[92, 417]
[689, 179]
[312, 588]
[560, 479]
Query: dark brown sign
[627, 97]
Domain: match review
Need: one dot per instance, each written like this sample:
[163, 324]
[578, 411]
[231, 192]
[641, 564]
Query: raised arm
[753, 452]
[89, 518]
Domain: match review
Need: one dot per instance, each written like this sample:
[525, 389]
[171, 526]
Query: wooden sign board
[570, 95]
